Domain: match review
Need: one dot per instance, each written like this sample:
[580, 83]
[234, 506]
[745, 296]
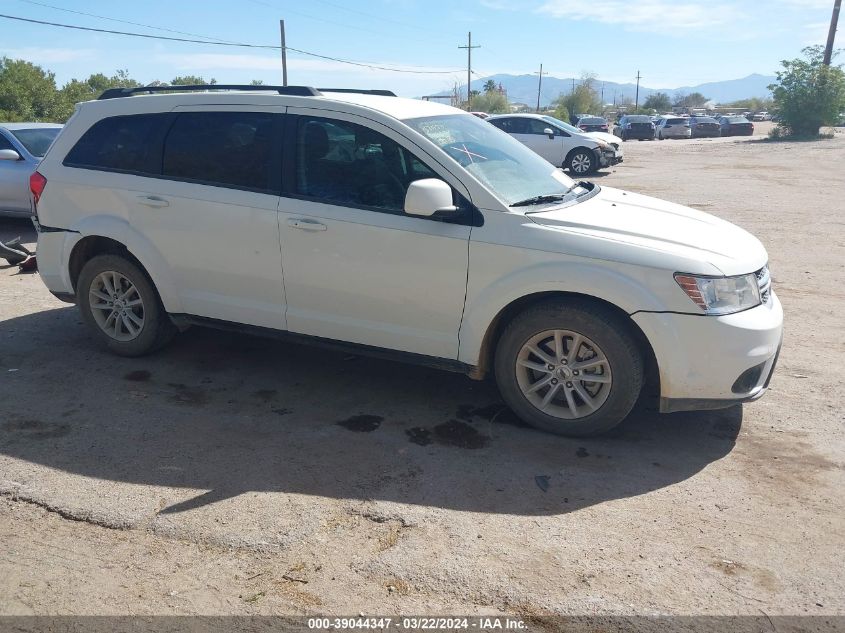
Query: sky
[671, 42]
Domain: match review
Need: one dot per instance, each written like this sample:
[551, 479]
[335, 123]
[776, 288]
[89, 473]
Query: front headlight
[721, 295]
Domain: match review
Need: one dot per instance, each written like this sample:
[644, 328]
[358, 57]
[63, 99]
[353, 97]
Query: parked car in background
[22, 145]
[736, 126]
[704, 126]
[561, 144]
[592, 124]
[761, 116]
[638, 126]
[437, 240]
[672, 127]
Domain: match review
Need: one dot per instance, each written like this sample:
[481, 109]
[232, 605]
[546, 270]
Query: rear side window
[121, 143]
[230, 149]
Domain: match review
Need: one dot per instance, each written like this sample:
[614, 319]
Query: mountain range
[523, 88]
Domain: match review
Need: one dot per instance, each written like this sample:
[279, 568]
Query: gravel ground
[235, 475]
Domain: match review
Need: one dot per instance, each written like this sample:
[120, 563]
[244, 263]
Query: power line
[235, 44]
[102, 17]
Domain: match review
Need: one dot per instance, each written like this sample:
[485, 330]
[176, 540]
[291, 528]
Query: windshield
[508, 168]
[37, 140]
[569, 128]
[639, 118]
[591, 121]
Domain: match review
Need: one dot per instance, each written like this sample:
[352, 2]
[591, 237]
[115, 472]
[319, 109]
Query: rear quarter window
[121, 143]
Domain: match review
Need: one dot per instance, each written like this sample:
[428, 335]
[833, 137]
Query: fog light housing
[748, 379]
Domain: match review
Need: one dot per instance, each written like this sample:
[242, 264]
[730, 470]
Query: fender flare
[139, 247]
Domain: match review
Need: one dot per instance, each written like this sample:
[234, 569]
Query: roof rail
[299, 91]
[381, 93]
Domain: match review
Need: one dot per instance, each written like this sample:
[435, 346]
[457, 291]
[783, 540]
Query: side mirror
[550, 132]
[428, 196]
[9, 154]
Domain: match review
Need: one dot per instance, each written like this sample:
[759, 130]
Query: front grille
[764, 283]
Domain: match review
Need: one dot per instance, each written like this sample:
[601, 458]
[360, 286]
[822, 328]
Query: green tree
[27, 92]
[77, 90]
[659, 101]
[491, 102]
[754, 104]
[489, 86]
[692, 100]
[808, 94]
[584, 99]
[191, 80]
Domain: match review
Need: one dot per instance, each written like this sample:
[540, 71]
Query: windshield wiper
[555, 197]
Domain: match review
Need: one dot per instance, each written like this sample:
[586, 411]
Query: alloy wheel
[564, 374]
[116, 305]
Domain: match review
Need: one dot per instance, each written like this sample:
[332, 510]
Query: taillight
[583, 127]
[604, 127]
[37, 182]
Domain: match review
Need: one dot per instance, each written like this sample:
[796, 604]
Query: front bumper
[712, 362]
[608, 158]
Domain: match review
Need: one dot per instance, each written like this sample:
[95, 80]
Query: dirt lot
[235, 475]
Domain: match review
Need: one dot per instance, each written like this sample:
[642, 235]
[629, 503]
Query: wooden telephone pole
[834, 19]
[539, 86]
[469, 48]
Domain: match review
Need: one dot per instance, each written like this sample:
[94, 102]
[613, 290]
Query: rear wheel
[570, 368]
[119, 303]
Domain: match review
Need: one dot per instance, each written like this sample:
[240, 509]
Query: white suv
[402, 228]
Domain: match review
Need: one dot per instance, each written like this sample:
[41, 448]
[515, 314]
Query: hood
[672, 229]
[603, 136]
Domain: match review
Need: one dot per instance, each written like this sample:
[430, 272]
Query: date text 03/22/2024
[485, 623]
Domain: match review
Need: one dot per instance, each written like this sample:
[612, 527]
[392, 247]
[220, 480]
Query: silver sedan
[22, 146]
[672, 127]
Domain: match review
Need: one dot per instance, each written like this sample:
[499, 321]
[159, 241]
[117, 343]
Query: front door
[533, 135]
[356, 267]
[14, 181]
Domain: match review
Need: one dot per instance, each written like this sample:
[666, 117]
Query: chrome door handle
[306, 225]
[153, 201]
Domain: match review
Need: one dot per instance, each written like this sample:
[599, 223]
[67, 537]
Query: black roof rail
[381, 93]
[299, 91]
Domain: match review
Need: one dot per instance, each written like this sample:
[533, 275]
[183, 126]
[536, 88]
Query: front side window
[230, 149]
[504, 165]
[121, 143]
[349, 164]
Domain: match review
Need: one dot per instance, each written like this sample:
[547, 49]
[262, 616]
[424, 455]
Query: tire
[581, 162]
[153, 328]
[601, 331]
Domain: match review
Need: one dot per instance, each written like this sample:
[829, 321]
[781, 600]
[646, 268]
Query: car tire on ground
[545, 353]
[581, 162]
[121, 306]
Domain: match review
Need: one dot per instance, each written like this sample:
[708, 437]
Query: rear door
[212, 213]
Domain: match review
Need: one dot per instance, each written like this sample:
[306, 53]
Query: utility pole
[637, 98]
[828, 50]
[602, 94]
[284, 54]
[539, 85]
[469, 48]
[573, 86]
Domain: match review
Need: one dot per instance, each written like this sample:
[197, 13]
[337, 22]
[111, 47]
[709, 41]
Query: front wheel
[119, 303]
[582, 162]
[570, 368]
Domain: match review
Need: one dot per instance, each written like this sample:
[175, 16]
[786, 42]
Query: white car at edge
[564, 145]
[401, 228]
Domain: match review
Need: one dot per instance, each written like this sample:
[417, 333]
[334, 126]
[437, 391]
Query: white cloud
[644, 15]
[40, 55]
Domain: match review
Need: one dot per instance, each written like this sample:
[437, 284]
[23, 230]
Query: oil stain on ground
[139, 375]
[451, 433]
[362, 423]
[35, 429]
